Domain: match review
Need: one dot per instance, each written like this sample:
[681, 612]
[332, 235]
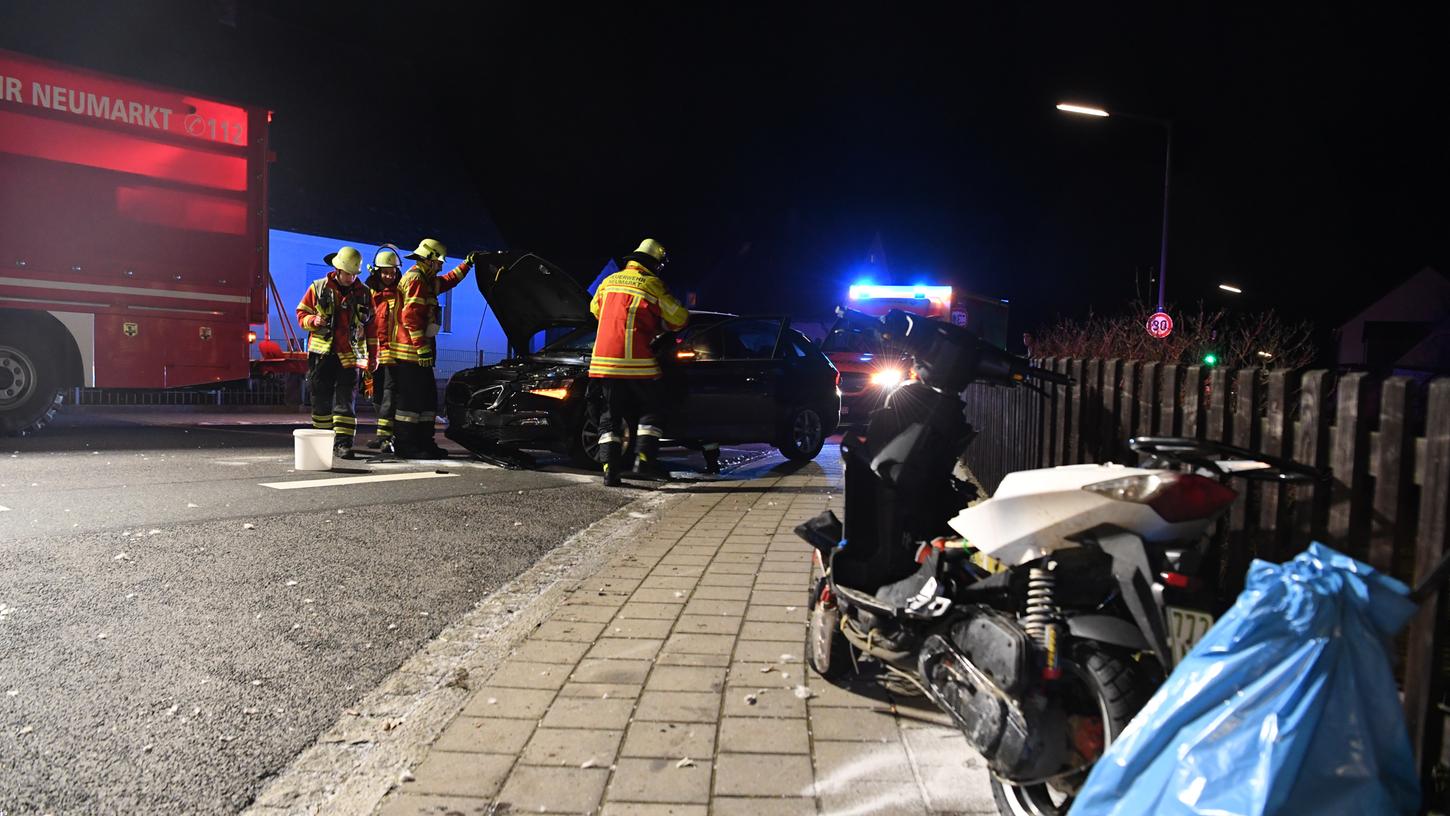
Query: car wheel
[584, 440]
[803, 435]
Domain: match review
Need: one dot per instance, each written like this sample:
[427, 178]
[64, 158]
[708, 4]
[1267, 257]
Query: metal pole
[1163, 249]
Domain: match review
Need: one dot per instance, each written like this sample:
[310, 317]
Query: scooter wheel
[827, 650]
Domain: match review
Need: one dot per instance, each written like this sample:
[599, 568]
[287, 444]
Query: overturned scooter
[1041, 619]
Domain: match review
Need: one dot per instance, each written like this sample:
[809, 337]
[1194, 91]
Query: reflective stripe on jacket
[345, 312]
[633, 306]
[418, 307]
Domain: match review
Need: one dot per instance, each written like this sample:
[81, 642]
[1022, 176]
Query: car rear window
[751, 339]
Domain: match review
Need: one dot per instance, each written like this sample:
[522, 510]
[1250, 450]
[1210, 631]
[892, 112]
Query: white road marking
[352, 480]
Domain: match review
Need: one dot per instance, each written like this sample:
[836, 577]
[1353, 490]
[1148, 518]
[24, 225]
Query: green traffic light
[1210, 359]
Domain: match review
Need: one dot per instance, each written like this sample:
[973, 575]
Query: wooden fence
[1385, 441]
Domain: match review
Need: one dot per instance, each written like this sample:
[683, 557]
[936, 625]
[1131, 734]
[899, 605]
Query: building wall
[295, 260]
[1424, 298]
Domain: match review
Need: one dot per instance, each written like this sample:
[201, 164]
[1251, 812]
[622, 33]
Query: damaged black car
[728, 379]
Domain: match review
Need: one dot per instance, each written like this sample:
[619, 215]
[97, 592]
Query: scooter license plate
[1185, 628]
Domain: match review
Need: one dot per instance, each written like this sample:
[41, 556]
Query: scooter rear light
[1178, 580]
[1175, 497]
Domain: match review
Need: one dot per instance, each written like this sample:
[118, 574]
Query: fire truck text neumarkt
[85, 103]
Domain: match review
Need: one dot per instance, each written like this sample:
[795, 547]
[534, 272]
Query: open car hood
[528, 295]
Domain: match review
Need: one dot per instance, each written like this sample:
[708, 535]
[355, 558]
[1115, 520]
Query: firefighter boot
[612, 464]
[647, 462]
[375, 444]
[430, 449]
[405, 441]
[342, 446]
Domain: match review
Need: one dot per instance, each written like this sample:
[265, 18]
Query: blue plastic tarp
[1287, 706]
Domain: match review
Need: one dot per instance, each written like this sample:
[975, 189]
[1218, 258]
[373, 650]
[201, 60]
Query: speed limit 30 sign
[1160, 325]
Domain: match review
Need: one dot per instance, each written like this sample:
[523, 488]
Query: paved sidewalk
[672, 682]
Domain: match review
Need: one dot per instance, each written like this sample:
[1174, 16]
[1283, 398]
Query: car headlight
[553, 389]
[887, 377]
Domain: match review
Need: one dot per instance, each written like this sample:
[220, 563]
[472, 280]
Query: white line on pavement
[352, 480]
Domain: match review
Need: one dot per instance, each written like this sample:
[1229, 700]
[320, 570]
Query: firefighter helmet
[429, 249]
[386, 257]
[650, 254]
[347, 260]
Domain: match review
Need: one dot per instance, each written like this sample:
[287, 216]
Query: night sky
[769, 145]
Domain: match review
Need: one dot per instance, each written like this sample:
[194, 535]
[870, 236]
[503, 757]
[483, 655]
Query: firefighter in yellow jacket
[633, 306]
[335, 310]
[414, 348]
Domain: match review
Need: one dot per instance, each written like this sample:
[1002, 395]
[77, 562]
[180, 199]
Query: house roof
[1423, 297]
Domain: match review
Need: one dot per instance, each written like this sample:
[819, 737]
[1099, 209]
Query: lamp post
[1086, 110]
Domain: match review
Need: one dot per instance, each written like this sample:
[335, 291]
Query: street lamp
[1229, 288]
[1086, 110]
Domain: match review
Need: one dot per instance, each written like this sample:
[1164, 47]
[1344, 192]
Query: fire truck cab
[870, 371]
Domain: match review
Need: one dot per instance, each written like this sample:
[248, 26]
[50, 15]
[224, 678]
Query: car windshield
[853, 342]
[578, 341]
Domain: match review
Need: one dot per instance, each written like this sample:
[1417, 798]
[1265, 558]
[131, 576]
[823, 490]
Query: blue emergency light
[868, 291]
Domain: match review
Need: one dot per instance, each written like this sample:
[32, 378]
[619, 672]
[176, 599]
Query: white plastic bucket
[311, 449]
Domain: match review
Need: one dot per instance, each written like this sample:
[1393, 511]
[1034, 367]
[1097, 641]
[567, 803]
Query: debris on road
[751, 699]
[406, 776]
[249, 526]
[120, 556]
[291, 583]
[26, 730]
[458, 678]
[588, 763]
[637, 514]
[685, 762]
[803, 693]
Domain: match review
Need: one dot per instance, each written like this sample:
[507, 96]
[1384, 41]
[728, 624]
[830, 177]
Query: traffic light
[1210, 359]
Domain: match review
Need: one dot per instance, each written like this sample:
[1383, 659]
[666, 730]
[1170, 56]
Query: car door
[729, 375]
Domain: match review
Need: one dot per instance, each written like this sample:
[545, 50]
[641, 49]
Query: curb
[356, 762]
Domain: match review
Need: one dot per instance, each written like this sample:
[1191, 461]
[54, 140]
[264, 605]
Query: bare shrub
[1261, 339]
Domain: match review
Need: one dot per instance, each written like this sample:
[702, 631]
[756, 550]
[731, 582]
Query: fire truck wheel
[29, 390]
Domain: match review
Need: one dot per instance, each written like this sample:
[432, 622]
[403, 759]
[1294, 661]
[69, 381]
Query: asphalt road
[172, 630]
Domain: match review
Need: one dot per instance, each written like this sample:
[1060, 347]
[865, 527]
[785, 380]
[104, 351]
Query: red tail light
[1175, 497]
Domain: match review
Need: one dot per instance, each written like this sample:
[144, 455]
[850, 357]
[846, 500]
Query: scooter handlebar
[951, 357]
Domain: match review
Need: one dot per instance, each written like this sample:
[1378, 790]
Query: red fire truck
[133, 236]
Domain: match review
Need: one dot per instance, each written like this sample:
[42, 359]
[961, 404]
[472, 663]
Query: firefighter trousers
[385, 398]
[333, 386]
[631, 400]
[417, 403]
